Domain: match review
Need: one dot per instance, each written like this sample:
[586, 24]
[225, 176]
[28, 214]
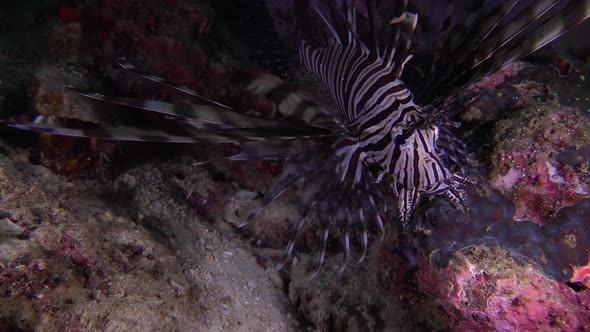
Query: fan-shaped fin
[216, 117]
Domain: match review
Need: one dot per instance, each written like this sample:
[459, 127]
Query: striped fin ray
[256, 150]
[296, 168]
[408, 22]
[372, 16]
[369, 202]
[313, 188]
[514, 28]
[457, 52]
[363, 230]
[75, 128]
[341, 24]
[125, 64]
[395, 33]
[65, 127]
[574, 13]
[341, 220]
[538, 33]
[332, 182]
[268, 149]
[332, 28]
[289, 102]
[216, 117]
[501, 37]
[445, 30]
[460, 34]
[491, 21]
[468, 36]
[321, 185]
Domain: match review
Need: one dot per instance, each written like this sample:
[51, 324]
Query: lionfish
[377, 135]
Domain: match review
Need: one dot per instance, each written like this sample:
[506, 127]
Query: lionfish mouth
[378, 122]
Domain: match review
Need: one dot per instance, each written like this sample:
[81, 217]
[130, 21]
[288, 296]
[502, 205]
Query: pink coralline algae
[581, 277]
[527, 164]
[498, 78]
[485, 289]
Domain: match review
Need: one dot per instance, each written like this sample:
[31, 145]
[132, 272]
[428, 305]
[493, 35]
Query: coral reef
[526, 164]
[74, 257]
[485, 288]
[51, 96]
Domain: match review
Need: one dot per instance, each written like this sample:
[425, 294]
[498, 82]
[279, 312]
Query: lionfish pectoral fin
[364, 235]
[289, 102]
[372, 210]
[62, 126]
[345, 243]
[321, 254]
[372, 16]
[454, 193]
[200, 116]
[311, 188]
[256, 150]
[456, 197]
[285, 181]
[289, 249]
[125, 64]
